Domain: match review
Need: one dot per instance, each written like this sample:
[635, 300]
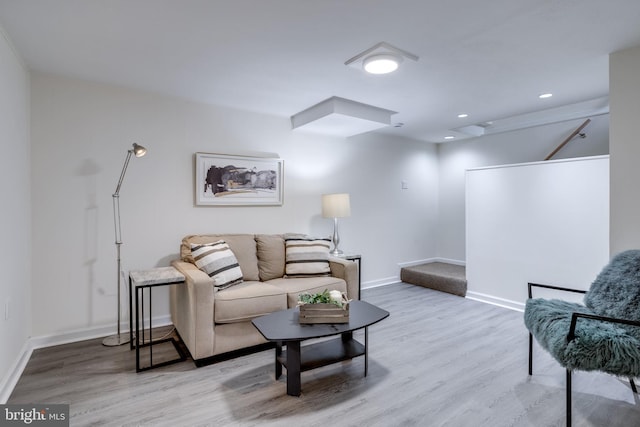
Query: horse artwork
[238, 180]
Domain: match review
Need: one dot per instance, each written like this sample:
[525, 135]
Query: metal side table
[139, 280]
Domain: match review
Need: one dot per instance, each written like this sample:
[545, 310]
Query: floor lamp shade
[137, 151]
[336, 206]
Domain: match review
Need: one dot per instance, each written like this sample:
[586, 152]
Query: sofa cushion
[242, 245]
[307, 257]
[295, 286]
[246, 301]
[270, 256]
[219, 262]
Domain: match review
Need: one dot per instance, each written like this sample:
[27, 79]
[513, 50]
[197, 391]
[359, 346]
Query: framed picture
[224, 180]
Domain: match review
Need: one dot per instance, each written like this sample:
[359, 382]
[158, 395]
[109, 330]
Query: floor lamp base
[115, 340]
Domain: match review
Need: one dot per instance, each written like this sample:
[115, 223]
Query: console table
[139, 280]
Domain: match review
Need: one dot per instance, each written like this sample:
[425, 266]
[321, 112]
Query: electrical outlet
[7, 313]
[405, 185]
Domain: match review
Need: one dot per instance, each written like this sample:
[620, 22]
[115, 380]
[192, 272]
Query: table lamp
[336, 206]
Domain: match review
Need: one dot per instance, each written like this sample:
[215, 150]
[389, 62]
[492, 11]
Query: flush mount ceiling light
[381, 64]
[341, 117]
[381, 58]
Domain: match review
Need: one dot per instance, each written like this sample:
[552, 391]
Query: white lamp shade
[336, 205]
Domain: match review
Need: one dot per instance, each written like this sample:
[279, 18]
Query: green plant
[319, 298]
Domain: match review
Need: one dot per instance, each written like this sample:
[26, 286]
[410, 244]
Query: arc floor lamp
[138, 151]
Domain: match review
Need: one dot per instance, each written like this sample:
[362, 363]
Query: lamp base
[336, 252]
[115, 340]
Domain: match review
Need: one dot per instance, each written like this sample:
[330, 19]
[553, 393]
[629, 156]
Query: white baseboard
[430, 260]
[416, 262]
[9, 382]
[13, 375]
[380, 282]
[451, 261]
[500, 302]
[89, 333]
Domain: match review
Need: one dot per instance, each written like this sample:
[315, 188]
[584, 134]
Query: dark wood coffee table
[283, 328]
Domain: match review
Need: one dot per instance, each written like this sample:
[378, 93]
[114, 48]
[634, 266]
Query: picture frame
[233, 180]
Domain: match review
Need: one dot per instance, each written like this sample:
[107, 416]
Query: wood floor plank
[438, 360]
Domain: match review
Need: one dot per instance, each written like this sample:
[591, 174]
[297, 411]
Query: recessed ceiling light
[381, 64]
[545, 95]
[449, 137]
[462, 115]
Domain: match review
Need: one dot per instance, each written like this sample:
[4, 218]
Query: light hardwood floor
[438, 360]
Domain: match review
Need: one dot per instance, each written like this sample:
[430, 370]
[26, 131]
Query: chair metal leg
[568, 398]
[530, 353]
[633, 386]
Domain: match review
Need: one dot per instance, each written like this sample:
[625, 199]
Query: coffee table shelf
[325, 353]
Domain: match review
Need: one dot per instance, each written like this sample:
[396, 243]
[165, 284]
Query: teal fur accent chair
[601, 335]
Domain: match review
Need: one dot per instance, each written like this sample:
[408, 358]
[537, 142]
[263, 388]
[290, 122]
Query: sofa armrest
[348, 271]
[192, 309]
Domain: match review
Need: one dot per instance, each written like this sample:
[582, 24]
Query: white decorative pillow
[218, 261]
[306, 256]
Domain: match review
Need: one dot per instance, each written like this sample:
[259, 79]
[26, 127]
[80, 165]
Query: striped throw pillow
[218, 261]
[306, 257]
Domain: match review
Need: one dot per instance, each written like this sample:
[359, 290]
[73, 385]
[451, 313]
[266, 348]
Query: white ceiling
[490, 59]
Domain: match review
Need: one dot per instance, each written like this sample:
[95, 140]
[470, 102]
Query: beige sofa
[216, 324]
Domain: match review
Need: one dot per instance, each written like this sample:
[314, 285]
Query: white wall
[15, 215]
[541, 222]
[624, 87]
[80, 134]
[526, 145]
